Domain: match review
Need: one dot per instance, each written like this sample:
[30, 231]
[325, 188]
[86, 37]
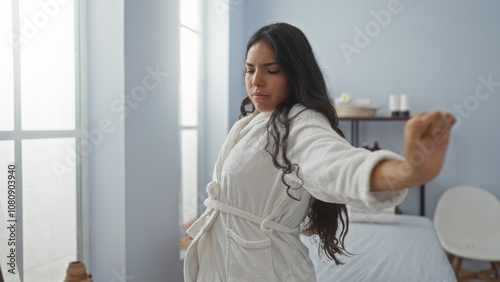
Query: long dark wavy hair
[307, 87]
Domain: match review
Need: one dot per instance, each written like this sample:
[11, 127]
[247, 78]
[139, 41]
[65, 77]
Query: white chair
[467, 221]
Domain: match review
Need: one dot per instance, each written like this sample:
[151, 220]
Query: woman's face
[267, 85]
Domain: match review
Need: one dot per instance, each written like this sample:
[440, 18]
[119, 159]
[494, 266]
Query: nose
[257, 79]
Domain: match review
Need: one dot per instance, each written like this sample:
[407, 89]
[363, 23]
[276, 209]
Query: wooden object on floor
[77, 272]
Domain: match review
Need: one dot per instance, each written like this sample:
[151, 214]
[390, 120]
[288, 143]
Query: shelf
[355, 142]
[374, 118]
[355, 124]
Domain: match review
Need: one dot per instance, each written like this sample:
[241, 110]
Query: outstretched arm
[426, 142]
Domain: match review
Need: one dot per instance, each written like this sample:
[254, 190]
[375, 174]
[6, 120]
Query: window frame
[17, 135]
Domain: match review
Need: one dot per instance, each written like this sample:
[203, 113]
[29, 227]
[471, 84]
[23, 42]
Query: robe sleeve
[331, 170]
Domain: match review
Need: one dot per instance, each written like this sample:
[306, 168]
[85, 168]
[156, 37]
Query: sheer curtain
[189, 110]
[39, 132]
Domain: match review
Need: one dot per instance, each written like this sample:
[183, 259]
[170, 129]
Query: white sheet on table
[386, 215]
[407, 250]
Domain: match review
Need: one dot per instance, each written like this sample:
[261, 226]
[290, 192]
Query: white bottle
[394, 105]
[405, 105]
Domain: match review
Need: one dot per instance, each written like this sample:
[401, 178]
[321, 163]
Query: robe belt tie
[266, 224]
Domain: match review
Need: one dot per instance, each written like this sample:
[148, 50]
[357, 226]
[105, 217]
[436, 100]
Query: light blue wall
[437, 52]
[237, 46]
[106, 84]
[134, 185]
[151, 140]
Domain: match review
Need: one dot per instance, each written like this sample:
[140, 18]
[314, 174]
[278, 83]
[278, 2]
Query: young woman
[285, 160]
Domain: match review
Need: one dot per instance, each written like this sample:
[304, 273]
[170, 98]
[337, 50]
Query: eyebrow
[263, 65]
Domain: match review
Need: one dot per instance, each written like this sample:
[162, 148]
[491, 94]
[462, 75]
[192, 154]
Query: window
[189, 95]
[40, 123]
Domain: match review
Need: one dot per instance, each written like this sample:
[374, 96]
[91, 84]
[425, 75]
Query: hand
[426, 141]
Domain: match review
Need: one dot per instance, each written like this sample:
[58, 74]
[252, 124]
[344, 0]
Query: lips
[260, 96]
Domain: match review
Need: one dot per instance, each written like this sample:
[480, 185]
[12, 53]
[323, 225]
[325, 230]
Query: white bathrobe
[250, 230]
